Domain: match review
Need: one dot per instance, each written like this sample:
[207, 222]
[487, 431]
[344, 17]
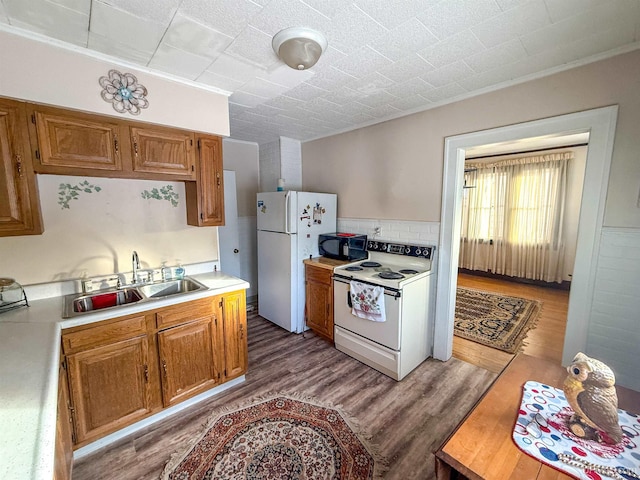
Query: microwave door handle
[287, 208]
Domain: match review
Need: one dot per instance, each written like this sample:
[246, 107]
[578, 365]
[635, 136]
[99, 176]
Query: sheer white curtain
[513, 215]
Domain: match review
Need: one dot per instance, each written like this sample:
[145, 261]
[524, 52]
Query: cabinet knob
[146, 374]
[164, 368]
[235, 250]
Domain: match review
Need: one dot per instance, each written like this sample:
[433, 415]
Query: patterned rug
[497, 321]
[280, 437]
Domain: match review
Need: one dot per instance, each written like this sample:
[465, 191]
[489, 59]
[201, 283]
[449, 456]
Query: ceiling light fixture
[299, 47]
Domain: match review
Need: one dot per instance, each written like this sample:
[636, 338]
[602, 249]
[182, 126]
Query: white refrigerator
[288, 227]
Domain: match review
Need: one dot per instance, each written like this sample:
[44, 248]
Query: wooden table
[482, 448]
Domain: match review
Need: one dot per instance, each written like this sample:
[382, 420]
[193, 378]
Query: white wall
[43, 73]
[281, 159]
[243, 158]
[98, 232]
[614, 330]
[393, 170]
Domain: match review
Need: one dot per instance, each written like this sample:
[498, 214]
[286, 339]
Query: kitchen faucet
[136, 265]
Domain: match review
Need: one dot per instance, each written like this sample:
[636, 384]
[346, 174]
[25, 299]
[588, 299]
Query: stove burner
[354, 269]
[409, 271]
[370, 264]
[391, 275]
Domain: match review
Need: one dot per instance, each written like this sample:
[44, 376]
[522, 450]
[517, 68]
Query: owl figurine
[590, 391]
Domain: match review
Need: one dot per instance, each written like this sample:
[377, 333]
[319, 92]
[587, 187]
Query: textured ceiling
[385, 59]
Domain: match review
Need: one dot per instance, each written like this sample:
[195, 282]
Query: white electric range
[404, 339]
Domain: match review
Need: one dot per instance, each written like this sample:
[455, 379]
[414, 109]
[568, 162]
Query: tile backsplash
[425, 233]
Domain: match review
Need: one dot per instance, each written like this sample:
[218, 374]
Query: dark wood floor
[407, 420]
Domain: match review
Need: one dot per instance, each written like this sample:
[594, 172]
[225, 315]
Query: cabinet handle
[241, 332]
[146, 374]
[115, 144]
[164, 368]
[19, 164]
[218, 177]
[135, 145]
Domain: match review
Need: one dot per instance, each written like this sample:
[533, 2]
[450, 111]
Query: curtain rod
[528, 151]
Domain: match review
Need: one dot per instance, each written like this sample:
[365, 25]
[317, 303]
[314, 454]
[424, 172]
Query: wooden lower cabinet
[234, 321]
[63, 459]
[110, 387]
[319, 300]
[127, 368]
[187, 360]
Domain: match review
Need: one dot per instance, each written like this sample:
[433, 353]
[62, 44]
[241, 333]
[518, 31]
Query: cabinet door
[19, 203]
[163, 151]
[234, 319]
[109, 387]
[319, 301]
[63, 460]
[67, 142]
[187, 360]
[205, 196]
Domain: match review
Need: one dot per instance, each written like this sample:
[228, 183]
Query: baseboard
[565, 285]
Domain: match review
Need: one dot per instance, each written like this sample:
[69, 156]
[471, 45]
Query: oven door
[385, 333]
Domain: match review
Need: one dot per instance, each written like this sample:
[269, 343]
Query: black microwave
[343, 246]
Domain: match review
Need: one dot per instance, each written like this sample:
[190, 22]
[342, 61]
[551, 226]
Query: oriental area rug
[281, 437]
[497, 321]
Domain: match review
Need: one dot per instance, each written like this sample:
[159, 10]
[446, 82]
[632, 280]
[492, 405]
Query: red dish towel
[105, 300]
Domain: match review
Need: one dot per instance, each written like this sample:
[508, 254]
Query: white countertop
[29, 357]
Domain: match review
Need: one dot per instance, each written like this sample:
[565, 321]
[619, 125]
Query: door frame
[601, 124]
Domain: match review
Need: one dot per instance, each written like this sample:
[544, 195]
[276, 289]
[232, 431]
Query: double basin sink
[81, 303]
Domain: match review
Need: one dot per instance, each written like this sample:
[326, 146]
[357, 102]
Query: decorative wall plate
[124, 92]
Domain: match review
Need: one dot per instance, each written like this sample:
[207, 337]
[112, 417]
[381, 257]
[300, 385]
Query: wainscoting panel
[614, 329]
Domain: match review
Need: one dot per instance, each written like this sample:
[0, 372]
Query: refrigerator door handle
[287, 207]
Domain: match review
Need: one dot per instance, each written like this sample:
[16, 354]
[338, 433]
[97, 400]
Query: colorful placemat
[559, 448]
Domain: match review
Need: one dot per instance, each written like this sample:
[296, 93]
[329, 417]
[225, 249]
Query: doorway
[600, 123]
[483, 266]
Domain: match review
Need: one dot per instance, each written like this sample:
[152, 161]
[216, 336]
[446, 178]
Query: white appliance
[288, 227]
[404, 339]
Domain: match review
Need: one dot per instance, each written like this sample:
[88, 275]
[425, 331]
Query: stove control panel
[420, 251]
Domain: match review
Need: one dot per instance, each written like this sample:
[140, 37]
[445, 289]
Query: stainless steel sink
[82, 303]
[171, 287]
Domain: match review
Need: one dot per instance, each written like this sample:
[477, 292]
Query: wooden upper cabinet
[19, 203]
[205, 196]
[68, 142]
[163, 151]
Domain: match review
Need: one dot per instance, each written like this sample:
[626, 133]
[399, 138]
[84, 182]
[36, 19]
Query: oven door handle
[392, 292]
[349, 299]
